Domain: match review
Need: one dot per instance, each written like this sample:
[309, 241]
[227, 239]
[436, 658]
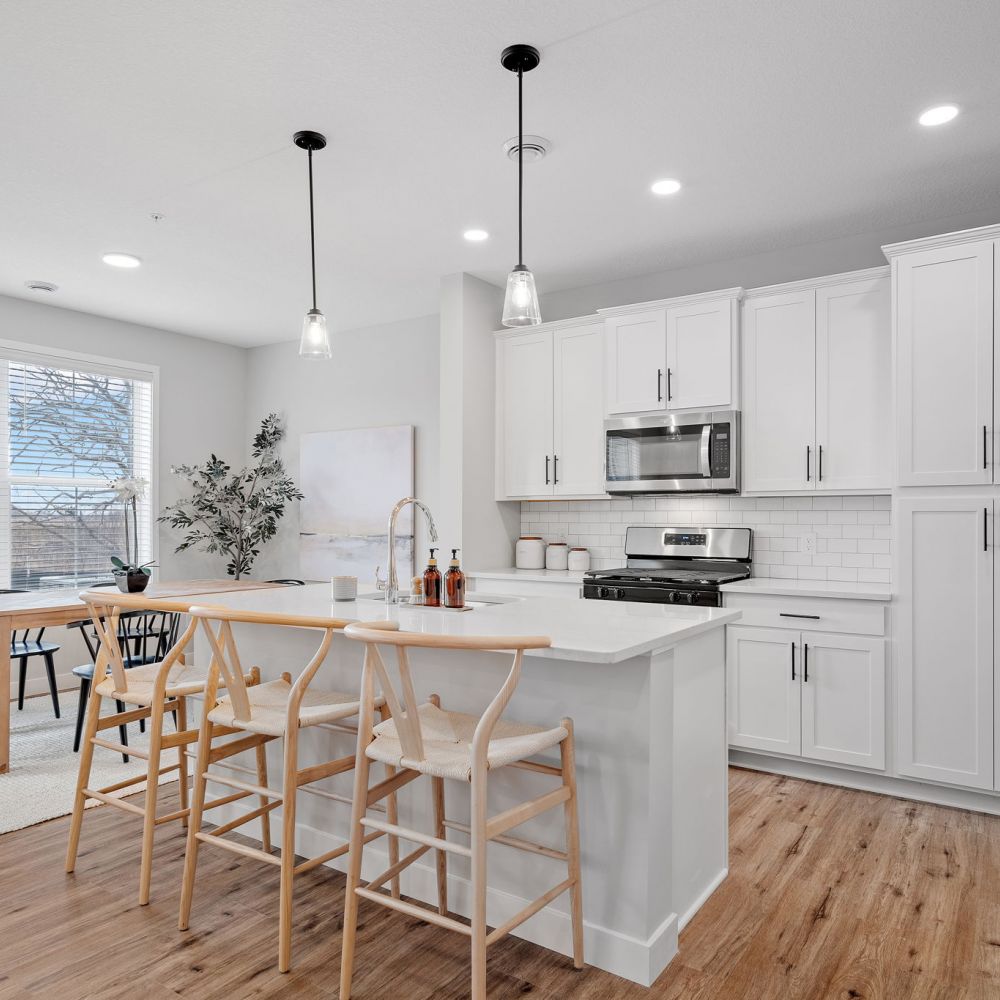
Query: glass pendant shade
[315, 341]
[520, 304]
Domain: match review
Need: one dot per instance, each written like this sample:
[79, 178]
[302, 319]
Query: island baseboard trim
[640, 961]
[685, 918]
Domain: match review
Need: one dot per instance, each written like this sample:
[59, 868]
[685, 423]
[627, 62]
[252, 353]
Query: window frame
[54, 357]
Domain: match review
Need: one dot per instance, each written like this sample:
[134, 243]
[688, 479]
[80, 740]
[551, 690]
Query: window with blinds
[68, 427]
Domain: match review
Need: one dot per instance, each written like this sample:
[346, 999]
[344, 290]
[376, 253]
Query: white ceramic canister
[578, 560]
[556, 555]
[529, 552]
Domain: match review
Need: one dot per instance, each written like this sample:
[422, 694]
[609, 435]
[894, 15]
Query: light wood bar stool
[423, 739]
[152, 690]
[273, 710]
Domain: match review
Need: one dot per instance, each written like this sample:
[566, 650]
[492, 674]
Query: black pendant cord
[520, 168]
[312, 227]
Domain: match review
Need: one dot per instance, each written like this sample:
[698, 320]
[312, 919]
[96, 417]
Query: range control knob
[673, 597]
[689, 598]
[602, 593]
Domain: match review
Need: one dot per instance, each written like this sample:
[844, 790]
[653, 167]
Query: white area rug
[43, 767]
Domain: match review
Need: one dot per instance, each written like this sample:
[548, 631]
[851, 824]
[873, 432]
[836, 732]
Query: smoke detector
[41, 286]
[535, 148]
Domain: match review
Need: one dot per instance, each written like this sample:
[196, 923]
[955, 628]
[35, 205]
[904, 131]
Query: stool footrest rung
[235, 848]
[129, 807]
[416, 837]
[529, 911]
[243, 786]
[412, 910]
[119, 748]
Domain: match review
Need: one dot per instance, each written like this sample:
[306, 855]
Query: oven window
[654, 453]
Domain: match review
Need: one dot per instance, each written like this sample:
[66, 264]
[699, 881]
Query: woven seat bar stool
[274, 710]
[146, 692]
[424, 739]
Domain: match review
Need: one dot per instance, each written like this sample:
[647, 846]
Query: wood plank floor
[832, 893]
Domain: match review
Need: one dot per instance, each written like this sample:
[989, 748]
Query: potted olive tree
[234, 513]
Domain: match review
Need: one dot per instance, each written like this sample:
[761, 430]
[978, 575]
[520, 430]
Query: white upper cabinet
[524, 397]
[944, 639]
[676, 354]
[550, 412]
[637, 362]
[701, 355]
[779, 376]
[853, 386]
[817, 384]
[944, 362]
[578, 433]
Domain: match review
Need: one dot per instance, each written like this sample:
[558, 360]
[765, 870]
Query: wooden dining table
[60, 606]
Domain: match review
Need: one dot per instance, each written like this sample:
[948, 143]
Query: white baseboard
[883, 784]
[685, 918]
[631, 958]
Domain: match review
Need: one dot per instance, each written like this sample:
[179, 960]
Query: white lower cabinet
[946, 618]
[817, 695]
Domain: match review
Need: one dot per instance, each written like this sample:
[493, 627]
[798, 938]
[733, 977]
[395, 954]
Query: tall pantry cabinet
[946, 290]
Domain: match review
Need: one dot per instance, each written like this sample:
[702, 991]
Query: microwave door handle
[706, 451]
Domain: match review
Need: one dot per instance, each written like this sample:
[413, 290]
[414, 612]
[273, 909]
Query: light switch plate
[809, 543]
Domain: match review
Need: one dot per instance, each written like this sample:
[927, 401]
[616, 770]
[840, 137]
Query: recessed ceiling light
[476, 235]
[938, 115]
[666, 186]
[117, 259]
[41, 286]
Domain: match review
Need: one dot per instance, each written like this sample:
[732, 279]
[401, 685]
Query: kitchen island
[645, 686]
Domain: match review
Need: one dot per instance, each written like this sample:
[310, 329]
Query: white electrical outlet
[809, 543]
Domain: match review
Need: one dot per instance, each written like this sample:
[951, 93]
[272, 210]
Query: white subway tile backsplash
[853, 533]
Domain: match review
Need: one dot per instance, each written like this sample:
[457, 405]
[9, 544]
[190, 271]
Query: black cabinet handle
[555, 470]
[546, 470]
[808, 454]
[788, 614]
[793, 661]
[805, 662]
[819, 470]
[659, 385]
[986, 520]
[670, 391]
[985, 449]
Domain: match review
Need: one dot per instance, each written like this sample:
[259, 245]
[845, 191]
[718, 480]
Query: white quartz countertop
[810, 588]
[532, 575]
[588, 631]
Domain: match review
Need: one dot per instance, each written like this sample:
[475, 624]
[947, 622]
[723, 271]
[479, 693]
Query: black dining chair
[144, 637]
[24, 649]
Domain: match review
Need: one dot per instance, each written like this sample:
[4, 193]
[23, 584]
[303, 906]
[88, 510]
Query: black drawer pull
[793, 661]
[788, 614]
[805, 662]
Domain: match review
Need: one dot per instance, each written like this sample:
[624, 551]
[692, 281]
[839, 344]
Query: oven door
[683, 453]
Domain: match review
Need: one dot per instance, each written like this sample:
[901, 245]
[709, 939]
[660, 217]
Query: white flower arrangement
[129, 489]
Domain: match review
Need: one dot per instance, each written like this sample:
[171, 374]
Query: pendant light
[520, 304]
[315, 342]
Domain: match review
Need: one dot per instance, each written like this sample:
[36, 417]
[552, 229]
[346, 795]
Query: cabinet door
[763, 677]
[578, 449]
[779, 392]
[700, 355]
[843, 699]
[525, 365]
[637, 362]
[853, 376]
[944, 365]
[944, 671]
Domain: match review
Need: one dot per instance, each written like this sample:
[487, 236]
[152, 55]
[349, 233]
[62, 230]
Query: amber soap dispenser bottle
[432, 583]
[454, 584]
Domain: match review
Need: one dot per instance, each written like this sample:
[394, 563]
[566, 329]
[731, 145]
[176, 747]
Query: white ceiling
[787, 122]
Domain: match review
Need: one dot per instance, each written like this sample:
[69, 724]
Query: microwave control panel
[720, 451]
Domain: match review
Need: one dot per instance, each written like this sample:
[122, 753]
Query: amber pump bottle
[454, 584]
[432, 583]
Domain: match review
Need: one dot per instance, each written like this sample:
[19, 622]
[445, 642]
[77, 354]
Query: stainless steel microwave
[673, 453]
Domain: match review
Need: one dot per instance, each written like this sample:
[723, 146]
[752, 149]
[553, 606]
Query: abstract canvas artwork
[351, 480]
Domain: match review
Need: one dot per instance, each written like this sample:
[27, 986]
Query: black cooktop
[709, 576]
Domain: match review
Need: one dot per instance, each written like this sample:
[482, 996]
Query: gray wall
[379, 375]
[849, 253]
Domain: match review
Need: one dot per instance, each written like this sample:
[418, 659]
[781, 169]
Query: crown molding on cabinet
[944, 240]
[824, 282]
[556, 324]
[677, 300]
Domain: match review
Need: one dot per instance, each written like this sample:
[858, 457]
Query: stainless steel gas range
[682, 565]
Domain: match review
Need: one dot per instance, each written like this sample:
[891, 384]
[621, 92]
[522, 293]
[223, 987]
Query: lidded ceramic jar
[556, 555]
[529, 552]
[578, 560]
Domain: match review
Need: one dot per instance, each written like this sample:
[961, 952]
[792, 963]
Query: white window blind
[67, 428]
